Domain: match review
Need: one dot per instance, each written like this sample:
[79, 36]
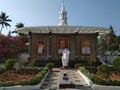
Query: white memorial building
[47, 42]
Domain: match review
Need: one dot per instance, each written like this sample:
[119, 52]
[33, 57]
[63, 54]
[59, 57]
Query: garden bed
[100, 81]
[11, 75]
[26, 76]
[25, 87]
[114, 76]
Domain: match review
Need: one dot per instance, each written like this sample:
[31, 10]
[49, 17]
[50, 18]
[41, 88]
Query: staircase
[52, 81]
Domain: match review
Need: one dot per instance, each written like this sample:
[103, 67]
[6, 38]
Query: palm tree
[19, 25]
[22, 36]
[4, 19]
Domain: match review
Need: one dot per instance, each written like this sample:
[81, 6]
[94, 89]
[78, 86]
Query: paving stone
[52, 81]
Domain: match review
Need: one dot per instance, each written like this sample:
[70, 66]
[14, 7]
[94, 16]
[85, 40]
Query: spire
[63, 16]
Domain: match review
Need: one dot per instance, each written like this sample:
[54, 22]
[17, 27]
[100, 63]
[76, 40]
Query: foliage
[102, 47]
[10, 46]
[4, 19]
[103, 71]
[49, 65]
[116, 63]
[19, 25]
[22, 36]
[98, 80]
[77, 65]
[32, 81]
[108, 42]
[35, 80]
[2, 84]
[23, 82]
[113, 40]
[9, 64]
[17, 67]
[29, 69]
[2, 68]
[92, 58]
[86, 72]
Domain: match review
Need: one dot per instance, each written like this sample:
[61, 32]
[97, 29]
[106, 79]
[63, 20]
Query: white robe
[65, 57]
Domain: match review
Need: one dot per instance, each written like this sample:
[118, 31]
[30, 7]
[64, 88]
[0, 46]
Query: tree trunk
[1, 29]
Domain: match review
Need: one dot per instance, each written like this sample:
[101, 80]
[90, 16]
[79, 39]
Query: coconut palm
[22, 36]
[4, 19]
[19, 25]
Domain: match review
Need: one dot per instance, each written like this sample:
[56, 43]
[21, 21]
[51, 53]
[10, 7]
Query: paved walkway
[52, 81]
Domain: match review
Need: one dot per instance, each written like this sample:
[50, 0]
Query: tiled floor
[52, 81]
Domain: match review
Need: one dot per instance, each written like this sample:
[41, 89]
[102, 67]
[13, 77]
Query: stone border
[31, 87]
[100, 87]
[89, 82]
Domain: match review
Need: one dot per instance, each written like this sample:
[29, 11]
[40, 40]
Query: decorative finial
[63, 16]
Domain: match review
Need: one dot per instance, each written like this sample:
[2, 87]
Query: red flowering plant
[11, 46]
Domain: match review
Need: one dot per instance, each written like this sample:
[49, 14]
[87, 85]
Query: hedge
[97, 80]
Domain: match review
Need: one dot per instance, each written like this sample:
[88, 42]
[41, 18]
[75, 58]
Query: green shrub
[46, 69]
[98, 80]
[33, 68]
[9, 64]
[2, 68]
[2, 60]
[28, 69]
[35, 80]
[103, 71]
[43, 72]
[32, 81]
[17, 67]
[86, 72]
[49, 65]
[77, 65]
[2, 84]
[23, 82]
[92, 77]
[116, 63]
[40, 76]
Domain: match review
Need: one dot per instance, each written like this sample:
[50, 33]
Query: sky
[98, 13]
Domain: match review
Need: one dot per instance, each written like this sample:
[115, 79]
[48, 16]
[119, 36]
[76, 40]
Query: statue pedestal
[64, 80]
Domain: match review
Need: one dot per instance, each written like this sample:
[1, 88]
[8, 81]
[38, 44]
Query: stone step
[51, 81]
